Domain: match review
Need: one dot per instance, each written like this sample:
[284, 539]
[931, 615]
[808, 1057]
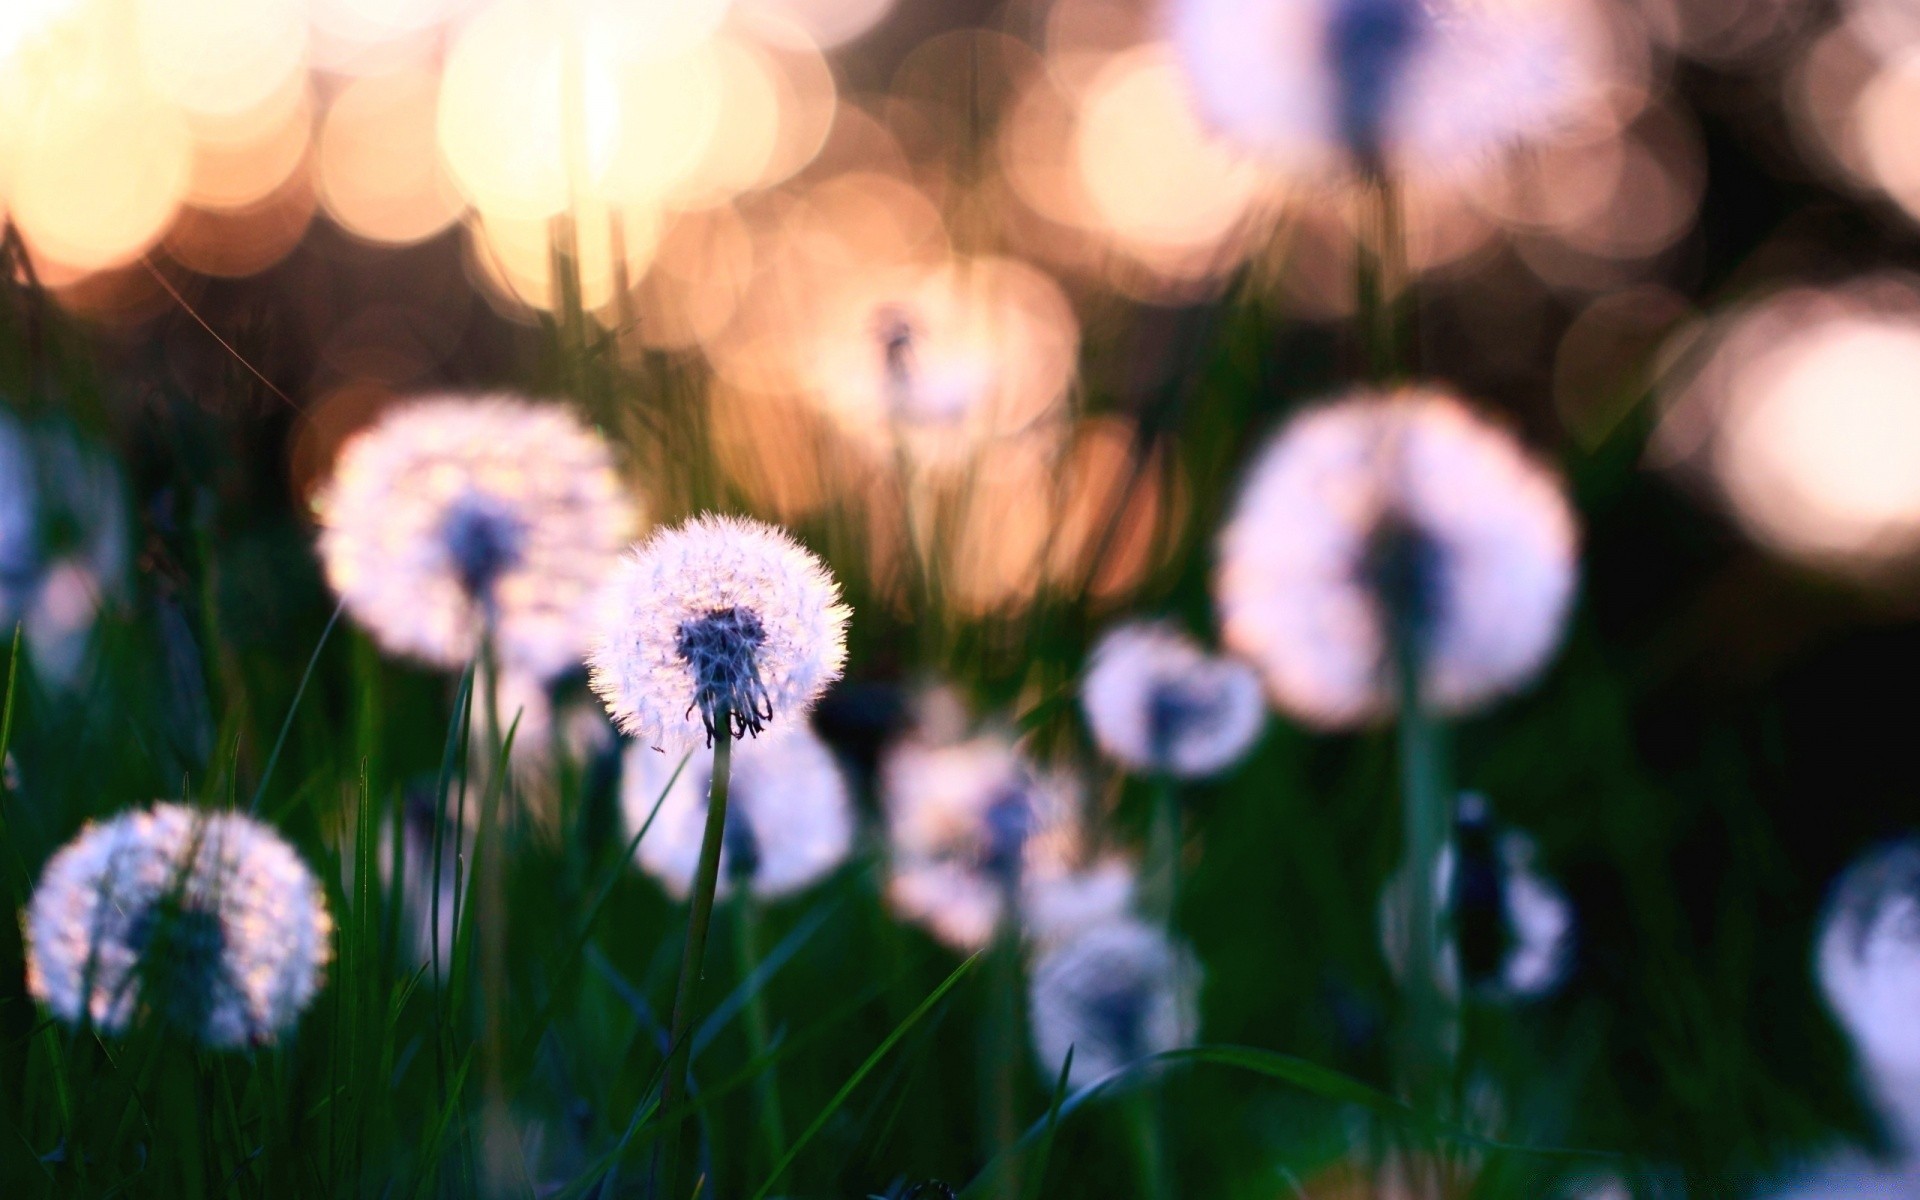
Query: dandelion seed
[1157, 702]
[452, 512]
[1393, 522]
[1114, 994]
[1512, 927]
[970, 824]
[207, 921]
[790, 818]
[717, 622]
[1409, 87]
[1868, 961]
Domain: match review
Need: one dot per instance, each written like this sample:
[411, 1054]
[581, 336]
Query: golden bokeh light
[1805, 414]
[95, 162]
[240, 162]
[379, 172]
[514, 259]
[220, 56]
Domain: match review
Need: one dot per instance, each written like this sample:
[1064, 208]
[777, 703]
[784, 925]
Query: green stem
[1379, 275]
[1427, 813]
[699, 919]
[1144, 1114]
[502, 1158]
[1162, 899]
[1001, 1051]
[746, 948]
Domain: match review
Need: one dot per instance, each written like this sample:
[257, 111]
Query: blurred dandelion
[969, 824]
[453, 514]
[1847, 1177]
[789, 821]
[1159, 703]
[717, 622]
[1511, 926]
[1390, 517]
[430, 890]
[1058, 907]
[1114, 994]
[208, 921]
[1425, 88]
[1868, 962]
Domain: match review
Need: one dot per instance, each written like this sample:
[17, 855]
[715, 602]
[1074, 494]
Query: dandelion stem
[1163, 853]
[699, 918]
[746, 947]
[1379, 271]
[1426, 813]
[1143, 1112]
[1002, 1048]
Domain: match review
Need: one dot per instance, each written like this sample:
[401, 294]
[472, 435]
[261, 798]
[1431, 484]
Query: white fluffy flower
[451, 506]
[1056, 908]
[1510, 926]
[968, 824]
[790, 817]
[1392, 515]
[1157, 702]
[1425, 87]
[1116, 993]
[1868, 960]
[718, 617]
[207, 920]
[1849, 1176]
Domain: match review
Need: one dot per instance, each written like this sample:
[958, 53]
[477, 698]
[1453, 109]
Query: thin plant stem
[706, 880]
[746, 949]
[1426, 805]
[1163, 853]
[1144, 1115]
[1002, 1049]
[1379, 277]
[501, 1159]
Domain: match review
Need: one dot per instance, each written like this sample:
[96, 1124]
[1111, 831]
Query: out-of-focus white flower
[1158, 702]
[1849, 1177]
[1388, 517]
[1868, 961]
[1411, 87]
[790, 817]
[1057, 908]
[1115, 993]
[207, 920]
[717, 620]
[451, 510]
[970, 824]
[19, 519]
[430, 898]
[1510, 927]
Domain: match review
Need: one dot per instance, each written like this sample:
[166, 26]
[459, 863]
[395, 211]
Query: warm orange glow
[378, 173]
[516, 258]
[96, 163]
[220, 56]
[240, 162]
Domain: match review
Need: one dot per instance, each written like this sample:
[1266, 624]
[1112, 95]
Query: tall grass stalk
[699, 919]
[1001, 1046]
[746, 948]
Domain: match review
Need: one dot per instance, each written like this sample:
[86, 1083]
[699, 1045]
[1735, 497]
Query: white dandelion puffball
[1388, 518]
[1157, 702]
[1114, 994]
[207, 920]
[453, 510]
[1427, 88]
[720, 619]
[1056, 908]
[1510, 926]
[1868, 962]
[790, 817]
[970, 824]
[1849, 1176]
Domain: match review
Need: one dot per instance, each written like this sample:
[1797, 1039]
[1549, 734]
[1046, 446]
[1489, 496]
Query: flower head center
[741, 842]
[1116, 1011]
[1368, 43]
[182, 955]
[1175, 707]
[1405, 568]
[1477, 905]
[1006, 825]
[722, 650]
[483, 542]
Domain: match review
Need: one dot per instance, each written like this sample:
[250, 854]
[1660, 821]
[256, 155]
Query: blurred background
[234, 232]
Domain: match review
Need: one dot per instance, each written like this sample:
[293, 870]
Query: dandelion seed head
[1157, 702]
[1114, 993]
[1868, 962]
[1429, 88]
[1058, 907]
[1395, 516]
[1511, 926]
[451, 509]
[970, 824]
[718, 617]
[206, 920]
[790, 818]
